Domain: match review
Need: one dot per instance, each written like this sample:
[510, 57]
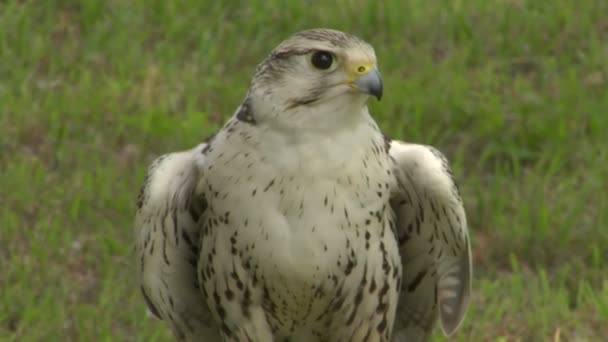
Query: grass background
[515, 92]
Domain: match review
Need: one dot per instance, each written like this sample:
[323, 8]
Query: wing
[167, 244]
[434, 244]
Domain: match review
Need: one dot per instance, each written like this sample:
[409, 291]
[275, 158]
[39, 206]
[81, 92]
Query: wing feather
[167, 229]
[434, 243]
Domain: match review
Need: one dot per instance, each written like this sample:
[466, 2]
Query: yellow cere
[356, 70]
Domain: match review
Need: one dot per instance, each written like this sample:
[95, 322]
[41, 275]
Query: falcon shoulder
[431, 227]
[168, 242]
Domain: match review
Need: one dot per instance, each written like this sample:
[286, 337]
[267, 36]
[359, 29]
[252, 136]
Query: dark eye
[322, 60]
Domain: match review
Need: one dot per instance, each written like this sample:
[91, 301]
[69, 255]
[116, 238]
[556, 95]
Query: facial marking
[296, 82]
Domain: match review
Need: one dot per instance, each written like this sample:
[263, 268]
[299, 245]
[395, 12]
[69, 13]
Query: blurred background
[514, 92]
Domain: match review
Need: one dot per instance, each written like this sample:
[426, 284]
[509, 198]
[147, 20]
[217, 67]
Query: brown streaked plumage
[300, 220]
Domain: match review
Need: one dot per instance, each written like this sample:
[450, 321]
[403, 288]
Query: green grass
[513, 91]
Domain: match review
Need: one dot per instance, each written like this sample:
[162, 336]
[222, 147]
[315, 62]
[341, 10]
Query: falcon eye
[322, 60]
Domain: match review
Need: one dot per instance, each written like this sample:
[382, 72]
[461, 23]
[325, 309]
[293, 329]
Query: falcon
[299, 220]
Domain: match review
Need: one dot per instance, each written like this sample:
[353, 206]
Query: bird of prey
[300, 220]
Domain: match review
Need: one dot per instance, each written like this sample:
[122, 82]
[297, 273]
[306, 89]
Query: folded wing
[434, 244]
[167, 229]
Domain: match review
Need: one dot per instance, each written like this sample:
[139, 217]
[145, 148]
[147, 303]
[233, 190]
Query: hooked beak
[370, 83]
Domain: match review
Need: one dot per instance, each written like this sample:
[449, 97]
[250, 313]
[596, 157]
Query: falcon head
[314, 76]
